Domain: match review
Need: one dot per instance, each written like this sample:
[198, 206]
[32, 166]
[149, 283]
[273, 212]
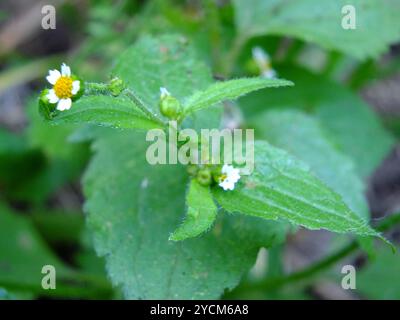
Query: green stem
[214, 31]
[136, 100]
[333, 59]
[92, 88]
[233, 55]
[323, 264]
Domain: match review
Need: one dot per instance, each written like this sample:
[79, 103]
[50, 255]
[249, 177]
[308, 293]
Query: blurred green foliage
[321, 120]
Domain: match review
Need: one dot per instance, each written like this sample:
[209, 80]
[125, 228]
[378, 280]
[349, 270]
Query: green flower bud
[170, 107]
[116, 86]
[192, 170]
[43, 96]
[81, 88]
[45, 107]
[251, 67]
[204, 177]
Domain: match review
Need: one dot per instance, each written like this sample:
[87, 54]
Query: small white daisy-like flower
[260, 56]
[264, 63]
[164, 93]
[229, 176]
[64, 87]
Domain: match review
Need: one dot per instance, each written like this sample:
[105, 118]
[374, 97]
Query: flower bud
[81, 88]
[192, 170]
[116, 86]
[45, 107]
[170, 107]
[204, 177]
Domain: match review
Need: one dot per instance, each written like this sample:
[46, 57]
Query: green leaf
[379, 277]
[302, 136]
[105, 111]
[168, 61]
[349, 122]
[23, 254]
[357, 130]
[19, 163]
[40, 159]
[58, 226]
[63, 161]
[133, 207]
[377, 24]
[282, 187]
[11, 143]
[201, 213]
[229, 90]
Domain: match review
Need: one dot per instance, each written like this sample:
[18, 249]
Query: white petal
[53, 76]
[233, 178]
[234, 174]
[230, 170]
[65, 70]
[164, 92]
[260, 55]
[223, 185]
[227, 185]
[52, 96]
[226, 168]
[64, 104]
[75, 87]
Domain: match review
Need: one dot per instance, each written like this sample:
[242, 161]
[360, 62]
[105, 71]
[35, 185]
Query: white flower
[64, 87]
[164, 93]
[229, 176]
[263, 62]
[260, 56]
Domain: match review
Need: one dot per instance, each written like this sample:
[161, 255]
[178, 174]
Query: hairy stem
[92, 88]
[136, 100]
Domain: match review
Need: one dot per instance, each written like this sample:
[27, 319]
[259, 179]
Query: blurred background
[41, 200]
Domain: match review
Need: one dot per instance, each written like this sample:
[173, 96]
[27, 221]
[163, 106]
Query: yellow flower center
[222, 177]
[63, 87]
